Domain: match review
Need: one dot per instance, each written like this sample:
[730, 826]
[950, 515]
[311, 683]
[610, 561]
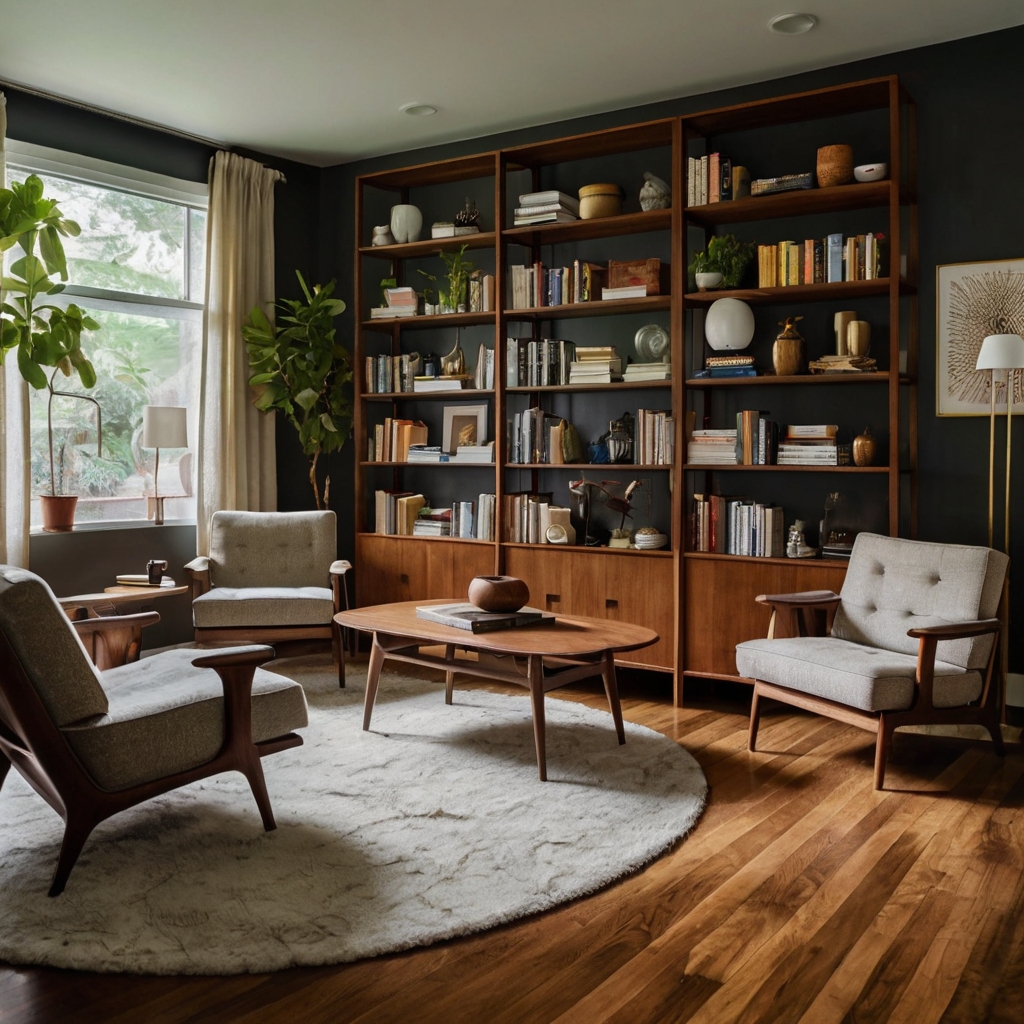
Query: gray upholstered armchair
[911, 640]
[266, 580]
[92, 743]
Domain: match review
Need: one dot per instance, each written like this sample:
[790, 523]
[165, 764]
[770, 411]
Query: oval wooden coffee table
[576, 648]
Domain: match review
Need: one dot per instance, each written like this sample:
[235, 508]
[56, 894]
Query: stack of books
[729, 366]
[655, 438]
[456, 382]
[386, 374]
[757, 438]
[546, 208]
[474, 453]
[648, 371]
[737, 526]
[712, 447]
[783, 183]
[433, 522]
[393, 439]
[536, 286]
[538, 363]
[522, 518]
[474, 520]
[809, 445]
[595, 365]
[401, 302]
[535, 437]
[822, 260]
[396, 511]
[843, 364]
[425, 453]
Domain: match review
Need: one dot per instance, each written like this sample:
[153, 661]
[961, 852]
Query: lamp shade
[1001, 352]
[163, 426]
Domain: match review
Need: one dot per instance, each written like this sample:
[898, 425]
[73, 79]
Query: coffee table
[574, 648]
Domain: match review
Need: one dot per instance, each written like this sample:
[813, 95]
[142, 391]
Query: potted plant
[44, 335]
[302, 370]
[723, 263]
[453, 298]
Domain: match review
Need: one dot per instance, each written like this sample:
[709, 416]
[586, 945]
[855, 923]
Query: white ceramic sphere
[729, 325]
[870, 172]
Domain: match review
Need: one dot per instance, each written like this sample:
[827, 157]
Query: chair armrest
[110, 623]
[928, 638]
[236, 667]
[809, 613]
[339, 583]
[198, 571]
[229, 657]
[805, 599]
[114, 640]
[957, 630]
[340, 567]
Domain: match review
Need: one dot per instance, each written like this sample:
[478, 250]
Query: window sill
[112, 524]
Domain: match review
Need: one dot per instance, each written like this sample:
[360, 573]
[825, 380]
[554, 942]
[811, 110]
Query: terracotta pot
[864, 449]
[498, 593]
[58, 512]
[788, 356]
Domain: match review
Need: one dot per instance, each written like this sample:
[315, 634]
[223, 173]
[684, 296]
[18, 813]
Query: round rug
[432, 825]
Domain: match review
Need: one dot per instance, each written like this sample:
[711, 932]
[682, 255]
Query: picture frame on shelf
[457, 418]
[973, 300]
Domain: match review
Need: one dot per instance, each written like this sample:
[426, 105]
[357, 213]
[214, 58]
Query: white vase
[707, 281]
[406, 222]
[729, 325]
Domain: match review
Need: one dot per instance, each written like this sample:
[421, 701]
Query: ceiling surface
[323, 80]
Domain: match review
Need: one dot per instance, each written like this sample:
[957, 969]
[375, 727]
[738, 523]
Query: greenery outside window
[138, 268]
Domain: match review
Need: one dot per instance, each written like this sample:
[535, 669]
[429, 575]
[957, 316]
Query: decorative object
[457, 268]
[708, 280]
[729, 325]
[1000, 352]
[647, 538]
[654, 193]
[560, 519]
[163, 426]
[796, 545]
[155, 569]
[458, 418]
[604, 200]
[865, 448]
[858, 338]
[468, 218]
[450, 770]
[870, 172]
[454, 363]
[406, 222]
[841, 321]
[975, 300]
[620, 538]
[498, 593]
[619, 438]
[788, 350]
[653, 344]
[834, 166]
[302, 370]
[382, 235]
[726, 255]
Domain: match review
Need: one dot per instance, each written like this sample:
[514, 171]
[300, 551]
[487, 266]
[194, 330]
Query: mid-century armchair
[264, 580]
[93, 743]
[911, 640]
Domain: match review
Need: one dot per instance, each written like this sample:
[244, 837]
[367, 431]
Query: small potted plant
[722, 264]
[44, 335]
[453, 298]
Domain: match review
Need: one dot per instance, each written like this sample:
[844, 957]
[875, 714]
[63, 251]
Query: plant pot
[498, 593]
[58, 512]
[708, 281]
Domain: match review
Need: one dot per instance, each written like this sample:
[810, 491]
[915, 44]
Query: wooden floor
[802, 895]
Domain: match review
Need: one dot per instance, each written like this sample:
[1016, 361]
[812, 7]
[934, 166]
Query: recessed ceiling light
[792, 24]
[418, 109]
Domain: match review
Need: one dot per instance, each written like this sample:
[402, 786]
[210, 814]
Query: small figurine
[619, 439]
[788, 350]
[796, 546]
[468, 216]
[382, 235]
[454, 363]
[654, 194]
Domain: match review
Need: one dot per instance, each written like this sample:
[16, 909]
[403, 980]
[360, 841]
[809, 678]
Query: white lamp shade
[729, 325]
[1001, 352]
[163, 426]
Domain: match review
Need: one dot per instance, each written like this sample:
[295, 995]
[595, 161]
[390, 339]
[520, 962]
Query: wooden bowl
[600, 201]
[835, 166]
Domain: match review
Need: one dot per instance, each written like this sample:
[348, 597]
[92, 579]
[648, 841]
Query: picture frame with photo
[463, 424]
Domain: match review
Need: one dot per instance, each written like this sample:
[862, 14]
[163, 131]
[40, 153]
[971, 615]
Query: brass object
[603, 200]
[834, 166]
[865, 447]
[454, 363]
[788, 350]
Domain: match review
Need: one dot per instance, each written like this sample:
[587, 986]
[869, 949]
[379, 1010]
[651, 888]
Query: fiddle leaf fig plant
[300, 368]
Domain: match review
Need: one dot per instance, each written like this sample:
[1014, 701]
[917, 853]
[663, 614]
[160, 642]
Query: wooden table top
[570, 636]
[120, 595]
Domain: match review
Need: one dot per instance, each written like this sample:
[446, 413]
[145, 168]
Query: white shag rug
[432, 825]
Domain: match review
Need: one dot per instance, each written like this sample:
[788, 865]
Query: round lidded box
[603, 200]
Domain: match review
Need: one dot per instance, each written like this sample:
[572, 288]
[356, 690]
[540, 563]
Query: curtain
[237, 468]
[14, 457]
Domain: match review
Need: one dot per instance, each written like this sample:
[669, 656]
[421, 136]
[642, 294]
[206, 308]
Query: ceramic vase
[708, 281]
[858, 338]
[729, 325]
[498, 593]
[382, 235]
[406, 222]
[841, 322]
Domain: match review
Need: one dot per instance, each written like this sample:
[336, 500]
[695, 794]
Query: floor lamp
[163, 426]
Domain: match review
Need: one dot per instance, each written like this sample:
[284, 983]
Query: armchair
[264, 580]
[911, 640]
[93, 743]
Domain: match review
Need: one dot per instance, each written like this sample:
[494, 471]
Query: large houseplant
[302, 370]
[45, 335]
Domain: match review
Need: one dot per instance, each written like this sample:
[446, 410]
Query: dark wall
[970, 129]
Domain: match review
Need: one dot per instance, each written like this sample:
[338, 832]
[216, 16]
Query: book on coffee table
[142, 580]
[468, 616]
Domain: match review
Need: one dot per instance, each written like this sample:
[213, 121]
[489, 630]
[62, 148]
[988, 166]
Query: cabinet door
[547, 574]
[639, 590]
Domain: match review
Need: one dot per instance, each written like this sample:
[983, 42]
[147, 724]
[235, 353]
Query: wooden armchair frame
[812, 614]
[32, 743]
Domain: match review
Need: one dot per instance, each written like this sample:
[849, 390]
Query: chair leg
[254, 773]
[993, 728]
[755, 720]
[76, 831]
[882, 744]
[5, 767]
[449, 677]
[338, 649]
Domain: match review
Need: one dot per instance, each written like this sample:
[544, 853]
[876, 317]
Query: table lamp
[163, 426]
[1000, 352]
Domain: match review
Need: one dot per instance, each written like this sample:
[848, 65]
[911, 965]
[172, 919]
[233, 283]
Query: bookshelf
[700, 603]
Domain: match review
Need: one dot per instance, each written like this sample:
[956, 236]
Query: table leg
[372, 679]
[611, 689]
[536, 671]
[449, 677]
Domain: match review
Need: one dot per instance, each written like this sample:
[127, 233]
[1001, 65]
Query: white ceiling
[322, 80]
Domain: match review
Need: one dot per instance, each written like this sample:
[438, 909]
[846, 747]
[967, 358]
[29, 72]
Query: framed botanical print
[974, 300]
[463, 425]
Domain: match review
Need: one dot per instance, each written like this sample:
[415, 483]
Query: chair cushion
[278, 549]
[263, 606]
[859, 676]
[166, 716]
[894, 585]
[48, 648]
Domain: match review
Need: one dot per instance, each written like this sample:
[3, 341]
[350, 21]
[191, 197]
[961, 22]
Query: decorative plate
[652, 344]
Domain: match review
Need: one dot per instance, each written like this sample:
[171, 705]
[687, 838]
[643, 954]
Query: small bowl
[871, 172]
[600, 201]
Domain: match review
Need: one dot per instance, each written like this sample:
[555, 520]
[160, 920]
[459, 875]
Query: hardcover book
[468, 616]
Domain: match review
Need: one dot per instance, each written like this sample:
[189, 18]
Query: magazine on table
[468, 616]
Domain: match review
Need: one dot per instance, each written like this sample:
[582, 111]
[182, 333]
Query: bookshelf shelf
[807, 378]
[433, 465]
[793, 204]
[621, 385]
[611, 307]
[598, 227]
[580, 550]
[728, 468]
[425, 396]
[841, 291]
[430, 540]
[422, 323]
[714, 556]
[604, 467]
[428, 247]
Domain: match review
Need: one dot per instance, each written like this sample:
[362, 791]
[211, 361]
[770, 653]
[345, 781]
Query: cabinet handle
[404, 578]
[553, 599]
[610, 602]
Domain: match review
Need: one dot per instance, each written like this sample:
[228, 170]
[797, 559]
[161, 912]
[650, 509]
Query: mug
[156, 568]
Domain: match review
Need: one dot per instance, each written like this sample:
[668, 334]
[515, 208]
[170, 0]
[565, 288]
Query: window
[138, 268]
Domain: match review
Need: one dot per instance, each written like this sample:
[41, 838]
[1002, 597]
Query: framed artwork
[463, 424]
[974, 300]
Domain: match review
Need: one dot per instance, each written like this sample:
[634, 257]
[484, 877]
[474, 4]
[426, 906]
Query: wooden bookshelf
[599, 307]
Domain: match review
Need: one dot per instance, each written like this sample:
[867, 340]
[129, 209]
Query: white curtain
[237, 468]
[14, 458]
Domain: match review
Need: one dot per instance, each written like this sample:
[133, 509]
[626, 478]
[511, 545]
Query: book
[142, 580]
[406, 510]
[428, 384]
[469, 617]
[550, 198]
[783, 183]
[834, 258]
[556, 217]
[635, 291]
